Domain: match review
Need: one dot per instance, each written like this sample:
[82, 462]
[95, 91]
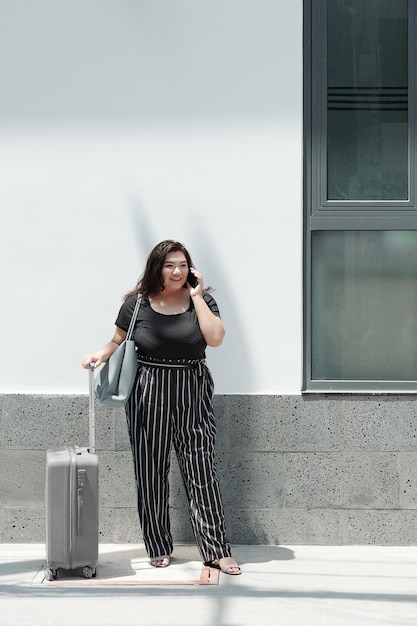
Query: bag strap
[132, 324]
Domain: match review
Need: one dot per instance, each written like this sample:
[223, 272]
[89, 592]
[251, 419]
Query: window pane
[367, 95]
[364, 305]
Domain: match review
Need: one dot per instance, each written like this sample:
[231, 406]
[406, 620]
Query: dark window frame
[321, 214]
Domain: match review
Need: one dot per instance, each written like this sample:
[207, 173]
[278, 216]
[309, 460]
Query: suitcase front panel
[84, 491]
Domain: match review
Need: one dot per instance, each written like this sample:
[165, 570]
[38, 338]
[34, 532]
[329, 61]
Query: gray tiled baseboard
[327, 470]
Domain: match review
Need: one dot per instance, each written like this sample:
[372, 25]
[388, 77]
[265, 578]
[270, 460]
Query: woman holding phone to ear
[172, 402]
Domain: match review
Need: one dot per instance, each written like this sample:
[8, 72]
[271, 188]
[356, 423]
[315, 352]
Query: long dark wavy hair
[151, 283]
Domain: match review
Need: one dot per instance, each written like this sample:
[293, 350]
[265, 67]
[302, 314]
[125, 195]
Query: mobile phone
[191, 280]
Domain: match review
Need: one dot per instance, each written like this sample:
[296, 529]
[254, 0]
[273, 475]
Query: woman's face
[175, 270]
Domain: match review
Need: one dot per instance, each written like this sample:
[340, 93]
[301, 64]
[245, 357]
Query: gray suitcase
[71, 504]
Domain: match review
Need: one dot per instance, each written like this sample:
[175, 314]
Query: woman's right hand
[91, 358]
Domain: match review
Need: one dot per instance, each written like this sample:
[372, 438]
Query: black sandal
[224, 567]
[160, 561]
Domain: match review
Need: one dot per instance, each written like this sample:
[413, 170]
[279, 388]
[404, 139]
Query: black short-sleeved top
[166, 336]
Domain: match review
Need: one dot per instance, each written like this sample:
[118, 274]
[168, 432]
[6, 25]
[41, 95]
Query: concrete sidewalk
[283, 585]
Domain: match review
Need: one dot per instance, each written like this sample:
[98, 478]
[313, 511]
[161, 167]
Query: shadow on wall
[235, 355]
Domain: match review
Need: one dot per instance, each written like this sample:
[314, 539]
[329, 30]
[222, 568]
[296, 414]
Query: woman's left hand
[198, 289]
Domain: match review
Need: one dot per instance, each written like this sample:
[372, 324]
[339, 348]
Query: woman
[171, 402]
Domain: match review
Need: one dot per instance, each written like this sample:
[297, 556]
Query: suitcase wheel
[88, 572]
[51, 574]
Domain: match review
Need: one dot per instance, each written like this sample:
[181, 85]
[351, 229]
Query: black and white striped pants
[172, 405]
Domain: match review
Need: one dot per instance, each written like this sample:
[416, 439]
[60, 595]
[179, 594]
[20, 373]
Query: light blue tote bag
[113, 382]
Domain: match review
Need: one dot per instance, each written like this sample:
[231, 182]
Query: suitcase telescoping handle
[91, 414]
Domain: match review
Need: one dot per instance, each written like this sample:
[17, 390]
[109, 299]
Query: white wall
[125, 122]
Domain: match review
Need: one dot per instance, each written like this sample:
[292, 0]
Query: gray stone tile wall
[324, 470]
